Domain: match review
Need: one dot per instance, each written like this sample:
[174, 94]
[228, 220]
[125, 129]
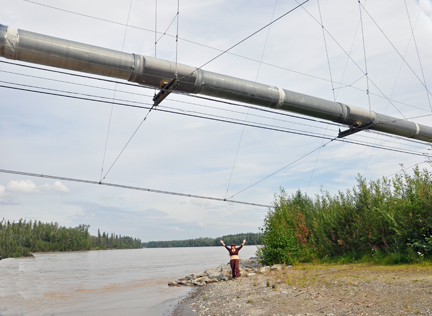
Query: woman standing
[234, 258]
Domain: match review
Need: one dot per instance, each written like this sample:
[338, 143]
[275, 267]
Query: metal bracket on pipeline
[166, 86]
[355, 129]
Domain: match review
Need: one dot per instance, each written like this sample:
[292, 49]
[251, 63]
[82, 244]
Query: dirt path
[323, 290]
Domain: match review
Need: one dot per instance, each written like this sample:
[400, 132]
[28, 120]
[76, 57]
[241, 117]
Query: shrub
[387, 221]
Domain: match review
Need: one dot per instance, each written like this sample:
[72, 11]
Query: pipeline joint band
[281, 98]
[417, 129]
[11, 42]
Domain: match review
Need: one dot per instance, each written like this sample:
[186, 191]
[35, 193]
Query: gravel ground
[321, 290]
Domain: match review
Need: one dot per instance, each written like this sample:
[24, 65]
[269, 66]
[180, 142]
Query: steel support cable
[350, 58]
[157, 191]
[364, 57]
[247, 113]
[394, 47]
[178, 18]
[182, 39]
[128, 187]
[245, 39]
[408, 118]
[277, 171]
[127, 143]
[403, 169]
[282, 113]
[418, 54]
[326, 51]
[344, 140]
[316, 161]
[333, 91]
[236, 155]
[341, 140]
[350, 51]
[224, 120]
[156, 109]
[177, 109]
[155, 30]
[91, 77]
[351, 84]
[159, 77]
[124, 83]
[262, 125]
[261, 109]
[113, 98]
[304, 118]
[172, 100]
[237, 55]
[114, 81]
[88, 96]
[106, 80]
[399, 137]
[134, 85]
[164, 33]
[154, 104]
[277, 128]
[314, 167]
[191, 95]
[127, 83]
[393, 90]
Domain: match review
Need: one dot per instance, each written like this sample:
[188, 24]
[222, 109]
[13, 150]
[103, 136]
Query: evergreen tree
[21, 238]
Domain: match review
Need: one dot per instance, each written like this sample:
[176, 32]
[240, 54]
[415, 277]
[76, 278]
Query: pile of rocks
[248, 268]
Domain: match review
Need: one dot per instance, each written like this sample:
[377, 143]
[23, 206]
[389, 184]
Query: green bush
[385, 221]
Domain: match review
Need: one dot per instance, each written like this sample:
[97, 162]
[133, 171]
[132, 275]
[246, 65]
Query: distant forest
[251, 239]
[20, 238]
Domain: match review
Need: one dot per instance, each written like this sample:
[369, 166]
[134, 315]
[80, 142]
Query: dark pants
[235, 268]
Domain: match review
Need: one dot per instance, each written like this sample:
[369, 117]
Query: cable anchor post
[166, 87]
[357, 127]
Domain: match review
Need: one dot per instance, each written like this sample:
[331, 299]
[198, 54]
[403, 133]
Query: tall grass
[386, 221]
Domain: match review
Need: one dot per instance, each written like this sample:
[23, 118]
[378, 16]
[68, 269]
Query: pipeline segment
[55, 52]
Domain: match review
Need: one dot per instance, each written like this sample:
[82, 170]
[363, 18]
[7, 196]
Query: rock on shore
[248, 268]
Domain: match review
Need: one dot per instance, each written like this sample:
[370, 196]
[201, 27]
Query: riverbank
[356, 289]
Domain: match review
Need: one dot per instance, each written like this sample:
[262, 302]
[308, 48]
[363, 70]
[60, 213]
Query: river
[105, 282]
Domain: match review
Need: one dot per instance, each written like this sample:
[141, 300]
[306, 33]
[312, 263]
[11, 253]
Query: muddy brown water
[107, 282]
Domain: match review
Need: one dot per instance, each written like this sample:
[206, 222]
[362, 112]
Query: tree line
[386, 221]
[251, 239]
[20, 238]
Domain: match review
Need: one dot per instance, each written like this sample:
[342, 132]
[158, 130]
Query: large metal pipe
[50, 51]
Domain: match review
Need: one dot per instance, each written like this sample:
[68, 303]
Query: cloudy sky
[66, 137]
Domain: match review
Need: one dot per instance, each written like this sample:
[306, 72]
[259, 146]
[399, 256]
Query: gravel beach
[356, 289]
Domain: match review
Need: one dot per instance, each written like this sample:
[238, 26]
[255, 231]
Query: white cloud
[57, 186]
[28, 186]
[24, 186]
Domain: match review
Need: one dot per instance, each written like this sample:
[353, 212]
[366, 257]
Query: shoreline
[308, 289]
[206, 280]
[184, 307]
